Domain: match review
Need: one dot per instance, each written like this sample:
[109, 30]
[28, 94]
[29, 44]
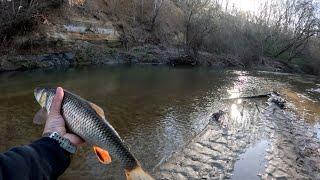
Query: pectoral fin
[40, 117]
[98, 110]
[102, 155]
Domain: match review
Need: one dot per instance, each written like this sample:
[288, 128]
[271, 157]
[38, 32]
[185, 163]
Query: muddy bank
[85, 53]
[25, 62]
[285, 146]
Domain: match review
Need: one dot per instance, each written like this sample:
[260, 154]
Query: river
[157, 110]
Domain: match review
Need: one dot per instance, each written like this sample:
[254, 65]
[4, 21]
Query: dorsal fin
[98, 110]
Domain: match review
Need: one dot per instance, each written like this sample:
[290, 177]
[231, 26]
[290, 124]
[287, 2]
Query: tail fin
[137, 174]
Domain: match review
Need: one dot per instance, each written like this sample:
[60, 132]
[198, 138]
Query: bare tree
[290, 24]
[157, 6]
[198, 22]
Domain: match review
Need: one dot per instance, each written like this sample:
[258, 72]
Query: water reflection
[212, 154]
[252, 162]
[237, 115]
[157, 110]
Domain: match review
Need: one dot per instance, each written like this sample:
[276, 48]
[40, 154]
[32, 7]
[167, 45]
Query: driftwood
[255, 96]
[251, 97]
[273, 97]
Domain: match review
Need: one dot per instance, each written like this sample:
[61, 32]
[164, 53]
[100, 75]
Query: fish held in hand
[87, 120]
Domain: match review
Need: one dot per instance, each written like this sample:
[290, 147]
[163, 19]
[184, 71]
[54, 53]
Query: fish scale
[91, 127]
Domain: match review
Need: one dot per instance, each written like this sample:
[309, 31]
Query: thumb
[56, 102]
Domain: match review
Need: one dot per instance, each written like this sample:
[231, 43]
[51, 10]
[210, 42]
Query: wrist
[64, 142]
[47, 133]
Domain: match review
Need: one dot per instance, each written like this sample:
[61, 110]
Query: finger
[56, 102]
[74, 139]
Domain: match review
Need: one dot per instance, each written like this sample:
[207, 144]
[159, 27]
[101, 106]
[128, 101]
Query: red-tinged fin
[40, 117]
[98, 110]
[102, 155]
[137, 174]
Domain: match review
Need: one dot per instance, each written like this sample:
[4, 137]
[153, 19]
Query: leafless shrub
[199, 16]
[17, 16]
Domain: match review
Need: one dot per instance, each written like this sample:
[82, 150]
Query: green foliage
[89, 52]
[111, 51]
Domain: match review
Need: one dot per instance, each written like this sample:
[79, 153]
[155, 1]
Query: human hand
[55, 121]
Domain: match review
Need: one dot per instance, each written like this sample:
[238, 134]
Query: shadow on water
[157, 110]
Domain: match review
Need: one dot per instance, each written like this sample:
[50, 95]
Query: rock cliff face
[83, 32]
[62, 35]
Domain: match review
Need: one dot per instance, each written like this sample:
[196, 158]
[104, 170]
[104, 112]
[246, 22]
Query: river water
[157, 110]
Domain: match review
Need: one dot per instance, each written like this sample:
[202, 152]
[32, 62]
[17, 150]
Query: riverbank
[93, 54]
[88, 33]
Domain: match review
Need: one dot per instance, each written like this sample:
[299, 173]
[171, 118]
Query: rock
[216, 116]
[69, 56]
[276, 99]
[184, 60]
[23, 62]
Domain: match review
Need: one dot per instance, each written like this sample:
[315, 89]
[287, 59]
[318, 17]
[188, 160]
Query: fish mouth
[37, 93]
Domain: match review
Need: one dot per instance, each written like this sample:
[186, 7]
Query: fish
[88, 121]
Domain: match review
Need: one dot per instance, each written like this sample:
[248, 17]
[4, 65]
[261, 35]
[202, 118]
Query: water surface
[156, 110]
